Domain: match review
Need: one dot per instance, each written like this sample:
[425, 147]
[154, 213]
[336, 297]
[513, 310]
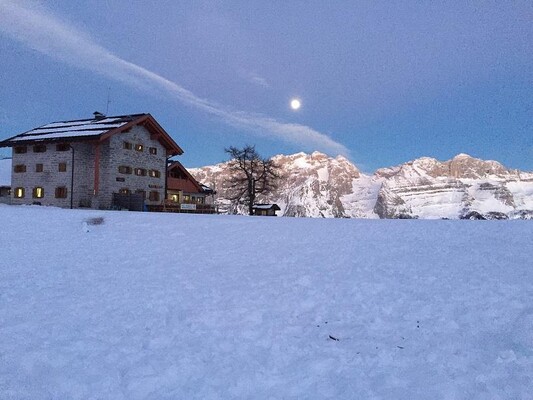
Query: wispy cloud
[254, 78]
[37, 28]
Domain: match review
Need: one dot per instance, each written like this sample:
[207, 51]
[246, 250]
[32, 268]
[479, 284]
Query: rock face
[428, 188]
[315, 185]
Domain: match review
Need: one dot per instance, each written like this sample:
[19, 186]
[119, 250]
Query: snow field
[161, 306]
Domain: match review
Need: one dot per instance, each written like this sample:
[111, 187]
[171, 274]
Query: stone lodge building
[89, 162]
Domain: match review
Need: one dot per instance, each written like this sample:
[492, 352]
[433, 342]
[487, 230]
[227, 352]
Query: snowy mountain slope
[427, 188]
[165, 306]
[312, 185]
[316, 185]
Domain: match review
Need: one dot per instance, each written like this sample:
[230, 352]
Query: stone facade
[41, 173]
[32, 170]
[114, 155]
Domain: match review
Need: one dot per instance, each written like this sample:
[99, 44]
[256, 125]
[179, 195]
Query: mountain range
[316, 185]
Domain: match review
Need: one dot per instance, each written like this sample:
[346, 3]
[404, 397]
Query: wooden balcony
[187, 208]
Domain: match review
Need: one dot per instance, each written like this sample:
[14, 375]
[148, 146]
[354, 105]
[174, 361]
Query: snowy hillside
[315, 185]
[165, 306]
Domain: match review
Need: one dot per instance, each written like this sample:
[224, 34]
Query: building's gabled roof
[5, 172]
[207, 189]
[274, 207]
[188, 185]
[98, 128]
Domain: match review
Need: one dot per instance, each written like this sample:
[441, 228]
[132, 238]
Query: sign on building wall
[188, 206]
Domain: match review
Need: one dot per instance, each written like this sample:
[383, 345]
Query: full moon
[295, 104]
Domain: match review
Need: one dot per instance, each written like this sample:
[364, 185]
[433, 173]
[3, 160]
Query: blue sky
[380, 82]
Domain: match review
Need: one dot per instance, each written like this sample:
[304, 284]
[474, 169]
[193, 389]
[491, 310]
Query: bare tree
[250, 175]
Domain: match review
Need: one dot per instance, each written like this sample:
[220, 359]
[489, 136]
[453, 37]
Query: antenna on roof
[98, 115]
[108, 100]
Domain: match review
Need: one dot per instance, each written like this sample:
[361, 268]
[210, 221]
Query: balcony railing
[191, 208]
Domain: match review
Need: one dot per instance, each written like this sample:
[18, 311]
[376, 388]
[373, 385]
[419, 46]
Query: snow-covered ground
[160, 306]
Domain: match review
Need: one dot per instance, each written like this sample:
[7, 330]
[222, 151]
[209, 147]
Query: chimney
[98, 115]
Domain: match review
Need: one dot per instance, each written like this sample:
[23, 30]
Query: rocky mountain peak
[316, 185]
[462, 155]
[466, 167]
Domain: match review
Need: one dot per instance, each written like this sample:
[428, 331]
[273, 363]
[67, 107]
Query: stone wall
[50, 178]
[113, 155]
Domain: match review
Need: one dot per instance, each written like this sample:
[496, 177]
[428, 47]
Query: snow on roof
[74, 129]
[265, 206]
[5, 171]
[57, 135]
[206, 188]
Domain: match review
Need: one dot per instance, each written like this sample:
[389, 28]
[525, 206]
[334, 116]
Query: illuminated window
[174, 198]
[154, 196]
[62, 147]
[186, 198]
[124, 191]
[39, 148]
[20, 149]
[127, 145]
[155, 173]
[19, 192]
[38, 167]
[124, 169]
[19, 168]
[139, 147]
[62, 167]
[38, 192]
[153, 150]
[61, 192]
[140, 172]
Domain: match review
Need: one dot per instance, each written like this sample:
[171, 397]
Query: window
[19, 192]
[140, 172]
[124, 191]
[39, 148]
[127, 145]
[141, 192]
[154, 196]
[174, 198]
[62, 167]
[38, 167]
[186, 198]
[139, 147]
[62, 147]
[19, 168]
[38, 192]
[155, 173]
[153, 150]
[118, 179]
[20, 149]
[61, 192]
[124, 169]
